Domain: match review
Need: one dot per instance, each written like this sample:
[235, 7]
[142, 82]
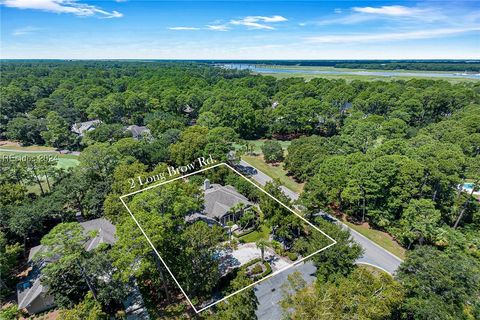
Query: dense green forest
[392, 154]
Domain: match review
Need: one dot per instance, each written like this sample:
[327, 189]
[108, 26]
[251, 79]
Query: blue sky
[132, 29]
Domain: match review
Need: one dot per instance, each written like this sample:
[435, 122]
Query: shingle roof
[137, 131]
[26, 296]
[106, 234]
[81, 127]
[220, 199]
[34, 251]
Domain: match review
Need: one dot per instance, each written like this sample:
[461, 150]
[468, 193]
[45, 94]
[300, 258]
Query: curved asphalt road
[269, 292]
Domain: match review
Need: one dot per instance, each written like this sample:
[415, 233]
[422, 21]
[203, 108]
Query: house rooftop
[220, 199]
[81, 127]
[138, 131]
[31, 288]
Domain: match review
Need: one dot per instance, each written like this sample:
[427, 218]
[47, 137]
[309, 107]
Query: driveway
[269, 292]
[373, 255]
[247, 252]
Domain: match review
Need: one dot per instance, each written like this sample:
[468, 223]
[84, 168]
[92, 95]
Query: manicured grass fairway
[275, 172]
[257, 144]
[380, 238]
[65, 161]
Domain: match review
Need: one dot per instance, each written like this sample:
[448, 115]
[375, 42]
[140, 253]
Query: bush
[89, 308]
[272, 151]
[257, 269]
[250, 263]
[292, 256]
[268, 270]
[9, 313]
[234, 244]
[277, 246]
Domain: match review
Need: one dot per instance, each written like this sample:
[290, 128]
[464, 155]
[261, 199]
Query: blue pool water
[468, 186]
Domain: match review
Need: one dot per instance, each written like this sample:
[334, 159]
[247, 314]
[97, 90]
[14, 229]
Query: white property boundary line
[250, 285]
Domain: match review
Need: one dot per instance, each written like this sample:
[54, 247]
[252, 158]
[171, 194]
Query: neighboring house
[222, 203]
[31, 294]
[81, 128]
[188, 109]
[138, 131]
[346, 106]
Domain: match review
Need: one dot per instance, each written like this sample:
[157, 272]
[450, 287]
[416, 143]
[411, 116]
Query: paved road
[269, 292]
[262, 178]
[373, 255]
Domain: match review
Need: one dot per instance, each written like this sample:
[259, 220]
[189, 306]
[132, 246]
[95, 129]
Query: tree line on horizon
[388, 153]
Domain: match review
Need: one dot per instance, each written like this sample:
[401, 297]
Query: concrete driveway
[247, 252]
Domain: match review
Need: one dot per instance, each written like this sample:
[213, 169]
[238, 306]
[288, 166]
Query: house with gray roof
[81, 128]
[31, 294]
[222, 204]
[138, 131]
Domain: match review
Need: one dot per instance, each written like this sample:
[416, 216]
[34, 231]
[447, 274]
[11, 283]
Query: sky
[133, 29]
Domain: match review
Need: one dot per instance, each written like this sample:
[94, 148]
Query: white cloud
[389, 10]
[252, 25]
[271, 19]
[388, 13]
[61, 6]
[184, 28]
[259, 22]
[218, 27]
[251, 22]
[24, 31]
[408, 35]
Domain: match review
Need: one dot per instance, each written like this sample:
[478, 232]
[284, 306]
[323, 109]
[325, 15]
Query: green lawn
[275, 172]
[257, 144]
[263, 233]
[65, 161]
[28, 148]
[380, 238]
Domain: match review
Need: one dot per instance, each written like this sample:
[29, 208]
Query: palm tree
[230, 225]
[262, 244]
